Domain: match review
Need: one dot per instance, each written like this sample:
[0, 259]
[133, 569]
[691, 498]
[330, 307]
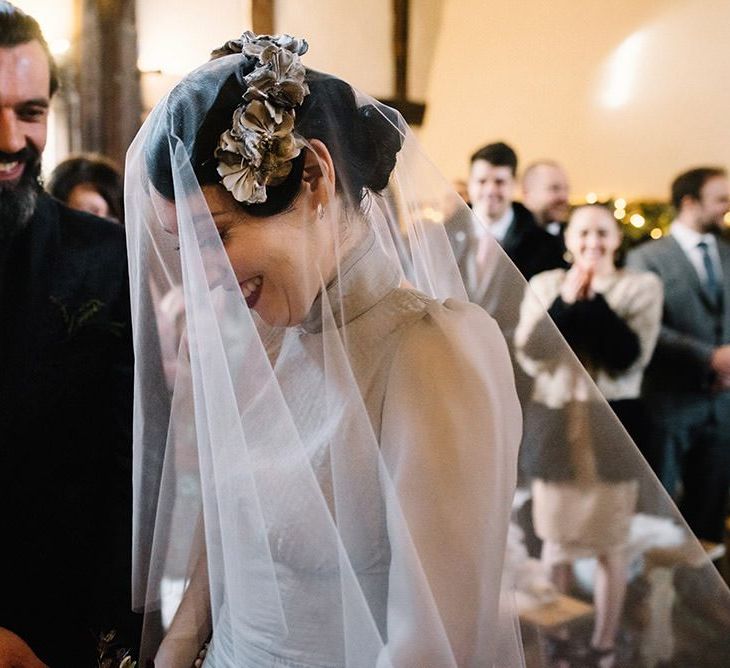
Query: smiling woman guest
[610, 317]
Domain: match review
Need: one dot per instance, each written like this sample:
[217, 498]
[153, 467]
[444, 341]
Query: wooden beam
[400, 47]
[108, 87]
[412, 112]
[262, 16]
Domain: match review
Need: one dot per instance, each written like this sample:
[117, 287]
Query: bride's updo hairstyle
[362, 140]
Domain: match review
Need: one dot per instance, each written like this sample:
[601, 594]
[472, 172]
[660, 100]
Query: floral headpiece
[258, 149]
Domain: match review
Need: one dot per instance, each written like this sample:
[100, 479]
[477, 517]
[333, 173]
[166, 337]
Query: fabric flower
[281, 82]
[240, 180]
[255, 45]
[250, 44]
[257, 151]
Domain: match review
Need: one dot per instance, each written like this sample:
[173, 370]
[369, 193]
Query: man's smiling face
[24, 101]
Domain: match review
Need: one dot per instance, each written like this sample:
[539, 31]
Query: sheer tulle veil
[337, 490]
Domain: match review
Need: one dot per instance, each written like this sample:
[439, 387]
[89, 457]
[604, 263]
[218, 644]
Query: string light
[619, 214]
[637, 220]
[591, 198]
[656, 233]
[620, 204]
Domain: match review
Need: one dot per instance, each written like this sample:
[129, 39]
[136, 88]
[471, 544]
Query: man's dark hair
[498, 154]
[16, 28]
[690, 183]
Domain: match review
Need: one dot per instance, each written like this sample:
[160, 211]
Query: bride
[329, 479]
[354, 440]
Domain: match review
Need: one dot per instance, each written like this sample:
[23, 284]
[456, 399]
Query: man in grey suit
[687, 384]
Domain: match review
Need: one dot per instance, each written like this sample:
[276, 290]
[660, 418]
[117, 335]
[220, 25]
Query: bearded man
[546, 193]
[687, 384]
[65, 392]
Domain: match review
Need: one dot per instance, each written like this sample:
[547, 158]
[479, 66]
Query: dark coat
[65, 426]
[530, 248]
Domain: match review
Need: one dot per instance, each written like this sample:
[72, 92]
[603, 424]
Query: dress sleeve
[611, 344]
[641, 318]
[538, 340]
[450, 433]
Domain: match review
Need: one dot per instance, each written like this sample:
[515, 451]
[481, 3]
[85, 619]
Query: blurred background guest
[688, 381]
[583, 499]
[90, 183]
[546, 193]
[495, 221]
[462, 188]
[491, 187]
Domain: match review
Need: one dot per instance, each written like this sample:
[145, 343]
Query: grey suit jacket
[691, 324]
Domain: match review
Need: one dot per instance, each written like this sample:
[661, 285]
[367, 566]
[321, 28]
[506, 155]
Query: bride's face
[279, 261]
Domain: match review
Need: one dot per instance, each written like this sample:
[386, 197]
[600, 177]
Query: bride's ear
[319, 171]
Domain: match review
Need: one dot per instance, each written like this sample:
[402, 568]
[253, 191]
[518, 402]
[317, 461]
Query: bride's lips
[251, 289]
[11, 171]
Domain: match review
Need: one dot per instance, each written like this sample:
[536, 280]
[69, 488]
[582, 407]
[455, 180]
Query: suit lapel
[513, 237]
[687, 272]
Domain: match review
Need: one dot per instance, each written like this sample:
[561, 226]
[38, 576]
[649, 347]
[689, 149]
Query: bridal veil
[339, 489]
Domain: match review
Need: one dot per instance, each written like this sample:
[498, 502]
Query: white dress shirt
[498, 229]
[688, 240]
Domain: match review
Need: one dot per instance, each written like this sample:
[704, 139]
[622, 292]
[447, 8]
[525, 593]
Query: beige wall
[349, 39]
[624, 92]
[552, 78]
[354, 40]
[176, 36]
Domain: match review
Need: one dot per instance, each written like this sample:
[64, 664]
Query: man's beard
[18, 200]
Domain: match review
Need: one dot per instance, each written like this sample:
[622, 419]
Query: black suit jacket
[65, 425]
[531, 248]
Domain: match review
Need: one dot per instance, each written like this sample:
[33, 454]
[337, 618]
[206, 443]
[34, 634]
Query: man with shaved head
[546, 192]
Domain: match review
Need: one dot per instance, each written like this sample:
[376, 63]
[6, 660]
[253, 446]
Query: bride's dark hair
[363, 142]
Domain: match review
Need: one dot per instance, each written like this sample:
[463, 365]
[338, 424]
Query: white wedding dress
[407, 354]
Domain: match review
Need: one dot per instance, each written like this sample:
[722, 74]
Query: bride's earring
[320, 211]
